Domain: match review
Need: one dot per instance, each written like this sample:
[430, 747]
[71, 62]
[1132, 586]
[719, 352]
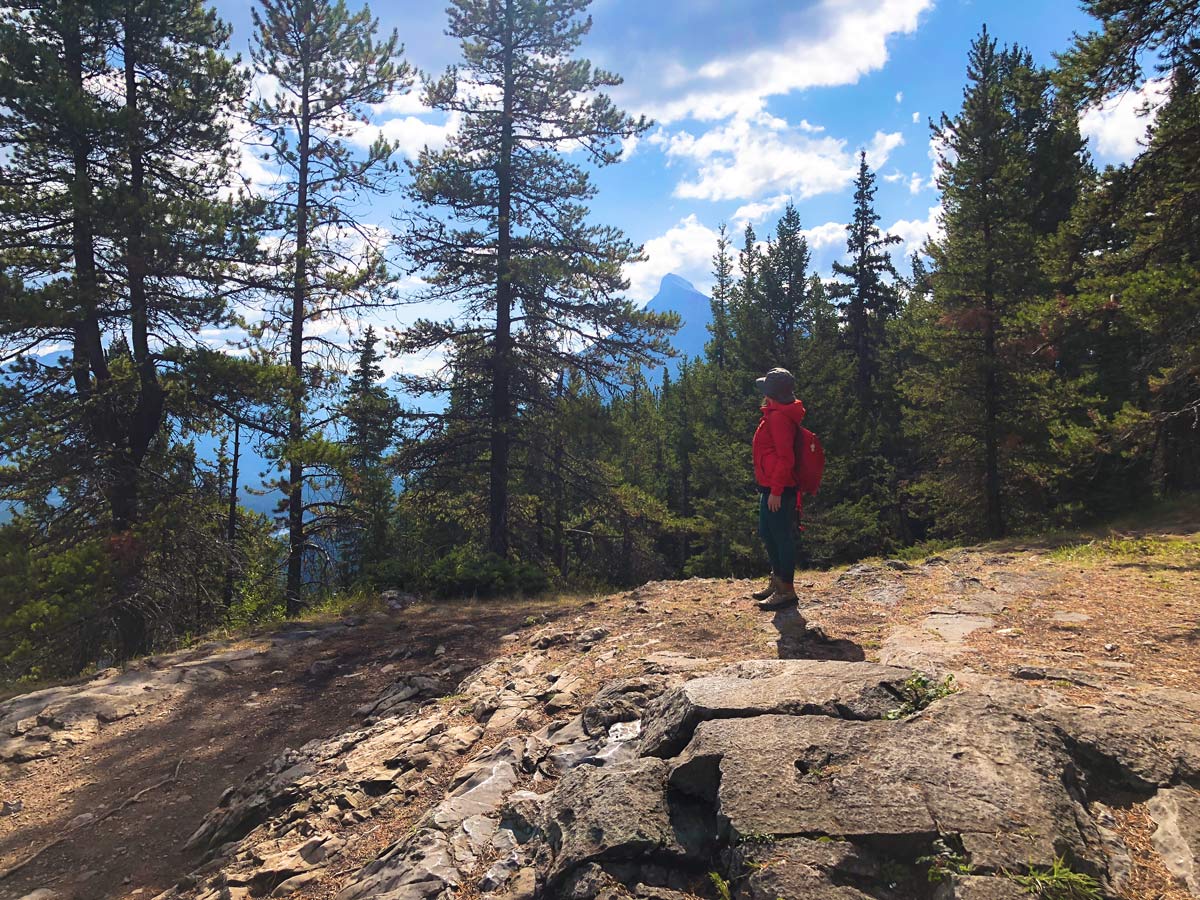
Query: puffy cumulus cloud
[914, 232]
[831, 234]
[685, 249]
[757, 154]
[899, 96]
[916, 117]
[817, 44]
[409, 133]
[756, 212]
[1116, 128]
[405, 121]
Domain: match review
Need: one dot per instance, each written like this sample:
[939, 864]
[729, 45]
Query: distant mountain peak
[678, 295]
[671, 280]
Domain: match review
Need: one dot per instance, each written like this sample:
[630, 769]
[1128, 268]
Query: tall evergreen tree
[115, 235]
[980, 400]
[869, 296]
[329, 68]
[1130, 251]
[717, 349]
[371, 416]
[784, 280]
[501, 221]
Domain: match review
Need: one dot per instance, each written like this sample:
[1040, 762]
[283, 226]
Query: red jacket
[775, 446]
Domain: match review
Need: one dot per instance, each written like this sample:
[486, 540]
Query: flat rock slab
[791, 687]
[1176, 815]
[954, 627]
[609, 813]
[965, 766]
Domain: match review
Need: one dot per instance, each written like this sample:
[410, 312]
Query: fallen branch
[17, 867]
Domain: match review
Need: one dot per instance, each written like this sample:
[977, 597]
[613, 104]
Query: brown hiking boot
[785, 595]
[766, 592]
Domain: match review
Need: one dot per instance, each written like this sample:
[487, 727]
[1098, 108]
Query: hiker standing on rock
[775, 469]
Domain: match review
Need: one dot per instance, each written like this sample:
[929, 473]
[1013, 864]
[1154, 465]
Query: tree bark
[148, 411]
[89, 358]
[231, 521]
[295, 568]
[991, 399]
[501, 406]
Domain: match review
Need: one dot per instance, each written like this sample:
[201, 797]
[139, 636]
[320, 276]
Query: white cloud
[840, 42]
[409, 133]
[758, 153]
[916, 183]
[1116, 127]
[403, 104]
[755, 212]
[913, 232]
[828, 235]
[899, 96]
[685, 249]
[916, 117]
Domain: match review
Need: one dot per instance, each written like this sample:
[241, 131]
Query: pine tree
[784, 282]
[869, 299]
[329, 68]
[371, 415]
[717, 349]
[114, 227]
[500, 224]
[176, 232]
[1130, 252]
[986, 392]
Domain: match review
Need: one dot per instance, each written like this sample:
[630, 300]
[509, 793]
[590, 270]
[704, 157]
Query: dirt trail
[1085, 619]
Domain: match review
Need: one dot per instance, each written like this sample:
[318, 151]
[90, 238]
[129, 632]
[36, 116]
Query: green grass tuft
[1057, 882]
[919, 692]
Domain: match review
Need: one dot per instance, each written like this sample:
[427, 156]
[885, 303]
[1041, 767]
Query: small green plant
[756, 838]
[946, 860]
[918, 691]
[1057, 882]
[539, 619]
[465, 572]
[724, 888]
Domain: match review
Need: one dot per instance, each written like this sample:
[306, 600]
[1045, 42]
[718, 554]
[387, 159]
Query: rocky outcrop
[772, 779]
[764, 687]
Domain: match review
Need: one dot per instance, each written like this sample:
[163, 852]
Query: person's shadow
[800, 640]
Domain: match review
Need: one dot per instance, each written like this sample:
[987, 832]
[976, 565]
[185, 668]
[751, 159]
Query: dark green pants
[778, 531]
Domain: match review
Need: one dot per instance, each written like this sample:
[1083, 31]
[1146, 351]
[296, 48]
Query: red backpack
[810, 463]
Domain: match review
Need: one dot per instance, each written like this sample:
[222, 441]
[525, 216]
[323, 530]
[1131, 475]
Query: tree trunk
[991, 399]
[501, 411]
[231, 521]
[89, 358]
[147, 415]
[559, 485]
[295, 569]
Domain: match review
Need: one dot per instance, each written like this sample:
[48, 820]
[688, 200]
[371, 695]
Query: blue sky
[757, 103]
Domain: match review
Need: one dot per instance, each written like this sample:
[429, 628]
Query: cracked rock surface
[781, 778]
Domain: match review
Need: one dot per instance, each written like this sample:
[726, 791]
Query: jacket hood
[793, 410]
